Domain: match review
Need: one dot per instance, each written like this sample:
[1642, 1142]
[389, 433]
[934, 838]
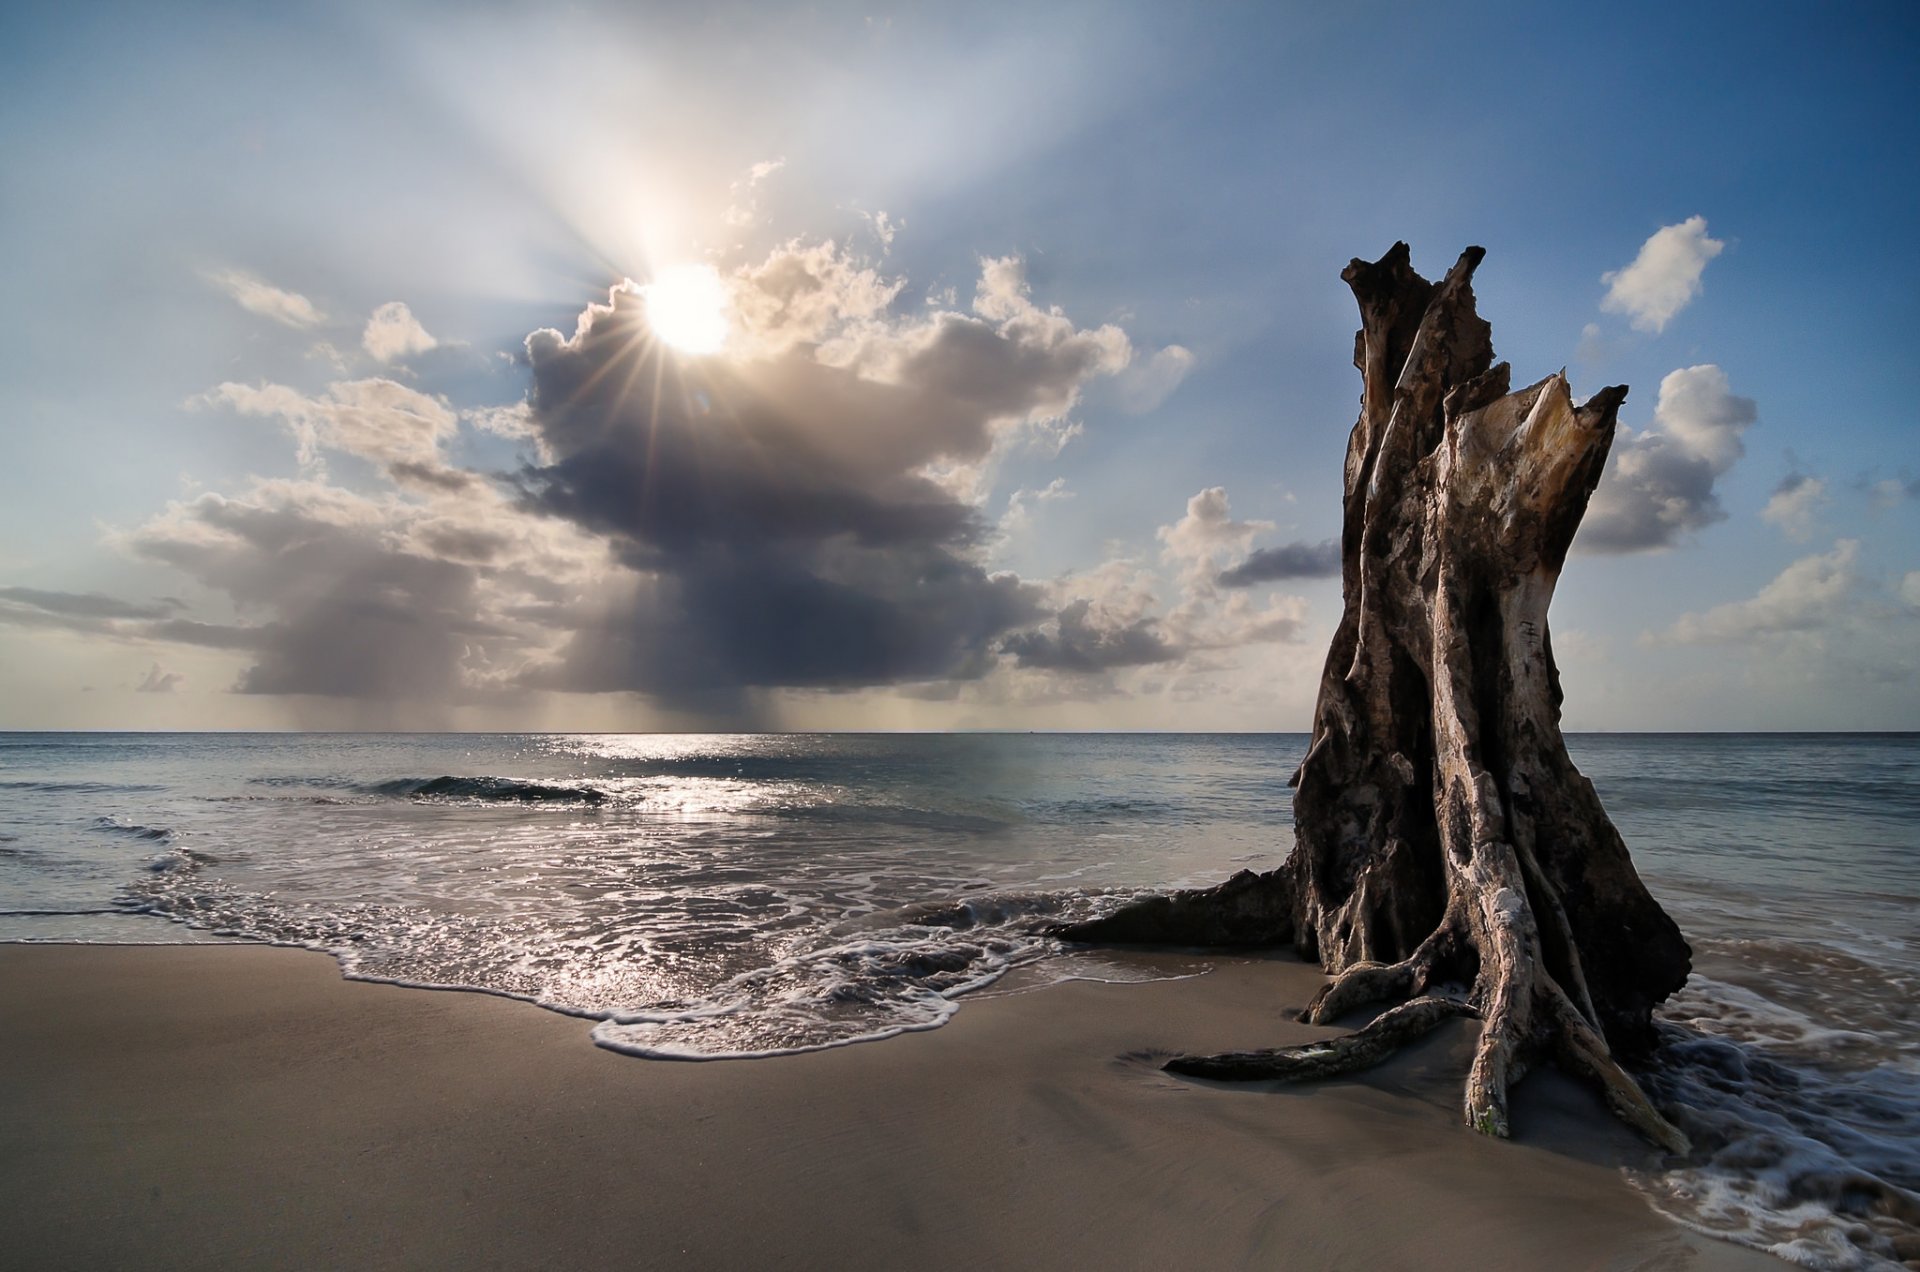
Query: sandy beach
[246, 1107]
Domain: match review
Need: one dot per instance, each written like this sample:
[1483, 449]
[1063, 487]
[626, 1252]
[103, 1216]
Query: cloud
[379, 420]
[1288, 561]
[1794, 504]
[1664, 278]
[1823, 628]
[390, 599]
[1208, 532]
[1145, 385]
[1021, 503]
[86, 605]
[745, 208]
[91, 614]
[800, 512]
[1077, 643]
[802, 293]
[158, 681]
[1809, 594]
[1659, 484]
[1891, 491]
[393, 332]
[257, 296]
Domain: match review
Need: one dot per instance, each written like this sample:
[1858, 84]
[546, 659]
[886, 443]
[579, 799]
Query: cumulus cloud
[393, 332]
[797, 513]
[256, 296]
[379, 420]
[1078, 642]
[1288, 561]
[1659, 484]
[1807, 595]
[1794, 505]
[159, 681]
[1664, 277]
[1208, 532]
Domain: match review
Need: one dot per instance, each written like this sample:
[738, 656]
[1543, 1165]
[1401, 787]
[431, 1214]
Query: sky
[635, 367]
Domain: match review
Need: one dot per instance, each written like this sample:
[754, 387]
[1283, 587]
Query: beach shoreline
[245, 1106]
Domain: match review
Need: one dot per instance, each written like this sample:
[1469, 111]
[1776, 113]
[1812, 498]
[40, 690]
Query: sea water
[727, 896]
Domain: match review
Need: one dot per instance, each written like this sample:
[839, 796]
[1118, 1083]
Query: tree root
[1355, 1051]
[1583, 1052]
[1362, 985]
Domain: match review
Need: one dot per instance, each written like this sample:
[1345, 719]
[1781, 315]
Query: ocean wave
[488, 789]
[180, 859]
[1004, 909]
[1818, 1168]
[447, 787]
[113, 826]
[1806, 1134]
[732, 983]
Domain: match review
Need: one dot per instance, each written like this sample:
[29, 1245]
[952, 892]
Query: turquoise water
[713, 896]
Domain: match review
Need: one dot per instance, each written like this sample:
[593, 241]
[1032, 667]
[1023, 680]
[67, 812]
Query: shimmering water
[708, 896]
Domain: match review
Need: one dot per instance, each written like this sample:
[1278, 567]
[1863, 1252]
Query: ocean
[742, 896]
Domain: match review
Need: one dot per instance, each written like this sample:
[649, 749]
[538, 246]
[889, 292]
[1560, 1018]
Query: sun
[687, 308]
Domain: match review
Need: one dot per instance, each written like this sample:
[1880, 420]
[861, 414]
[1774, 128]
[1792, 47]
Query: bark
[1448, 853]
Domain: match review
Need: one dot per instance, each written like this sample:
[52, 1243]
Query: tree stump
[1448, 853]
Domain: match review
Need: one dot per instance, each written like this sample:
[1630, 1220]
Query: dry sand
[246, 1107]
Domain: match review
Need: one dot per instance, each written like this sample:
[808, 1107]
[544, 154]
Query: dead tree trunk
[1448, 854]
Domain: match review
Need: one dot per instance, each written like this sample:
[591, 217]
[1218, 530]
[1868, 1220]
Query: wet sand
[245, 1107]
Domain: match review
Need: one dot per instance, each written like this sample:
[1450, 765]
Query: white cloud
[257, 296]
[1200, 541]
[1910, 588]
[745, 209]
[1805, 596]
[393, 332]
[1664, 278]
[1145, 385]
[376, 419]
[1659, 484]
[1794, 504]
[1021, 503]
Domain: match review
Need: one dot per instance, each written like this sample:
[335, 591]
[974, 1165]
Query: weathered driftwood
[1448, 852]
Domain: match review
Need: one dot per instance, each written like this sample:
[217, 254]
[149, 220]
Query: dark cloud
[359, 609]
[86, 604]
[1081, 645]
[92, 614]
[1288, 561]
[782, 509]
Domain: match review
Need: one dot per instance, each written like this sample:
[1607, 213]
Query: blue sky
[1071, 270]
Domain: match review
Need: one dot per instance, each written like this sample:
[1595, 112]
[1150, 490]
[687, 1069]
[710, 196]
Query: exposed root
[1363, 984]
[1362, 1050]
[1584, 1053]
[1247, 910]
[1360, 985]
